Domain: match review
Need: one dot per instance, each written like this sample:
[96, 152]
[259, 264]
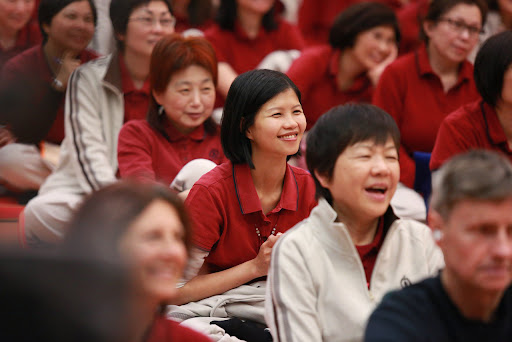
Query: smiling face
[15, 14]
[364, 180]
[373, 46]
[154, 246]
[446, 41]
[278, 126]
[140, 37]
[477, 245]
[72, 28]
[189, 98]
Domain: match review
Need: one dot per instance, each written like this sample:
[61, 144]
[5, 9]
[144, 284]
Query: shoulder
[298, 238]
[217, 176]
[22, 60]
[136, 127]
[470, 111]
[413, 228]
[403, 63]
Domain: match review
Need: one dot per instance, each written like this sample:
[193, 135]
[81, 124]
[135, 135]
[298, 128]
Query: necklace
[273, 232]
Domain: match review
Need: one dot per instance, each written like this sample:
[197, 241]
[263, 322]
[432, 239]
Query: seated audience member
[178, 127]
[486, 123]
[67, 27]
[421, 88]
[193, 14]
[103, 41]
[17, 31]
[328, 273]
[102, 95]
[245, 33]
[147, 228]
[362, 42]
[240, 208]
[471, 298]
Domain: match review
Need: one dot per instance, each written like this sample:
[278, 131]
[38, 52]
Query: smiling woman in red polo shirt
[420, 89]
[179, 127]
[240, 208]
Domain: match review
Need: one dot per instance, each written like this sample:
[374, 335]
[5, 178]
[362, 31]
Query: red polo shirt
[32, 64]
[243, 53]
[475, 125]
[314, 73]
[136, 101]
[166, 330]
[145, 154]
[413, 94]
[27, 37]
[368, 253]
[225, 210]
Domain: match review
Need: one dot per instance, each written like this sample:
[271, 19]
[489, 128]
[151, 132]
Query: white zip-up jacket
[317, 289]
[94, 114]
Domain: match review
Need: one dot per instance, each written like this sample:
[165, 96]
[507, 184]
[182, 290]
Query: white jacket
[317, 289]
[94, 114]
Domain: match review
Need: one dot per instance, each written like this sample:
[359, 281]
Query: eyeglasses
[459, 26]
[149, 21]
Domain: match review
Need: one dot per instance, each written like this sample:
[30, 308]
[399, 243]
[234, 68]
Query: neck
[362, 232]
[53, 54]
[268, 177]
[180, 8]
[447, 71]
[8, 37]
[506, 19]
[138, 67]
[473, 303]
[250, 22]
[348, 70]
[142, 317]
[504, 112]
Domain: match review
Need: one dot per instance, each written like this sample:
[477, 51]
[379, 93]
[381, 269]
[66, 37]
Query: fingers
[272, 239]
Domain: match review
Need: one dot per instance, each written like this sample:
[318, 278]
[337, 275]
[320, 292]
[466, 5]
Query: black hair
[227, 14]
[341, 127]
[248, 92]
[359, 18]
[491, 63]
[50, 8]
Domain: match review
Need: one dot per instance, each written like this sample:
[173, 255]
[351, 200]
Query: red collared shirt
[225, 211]
[146, 155]
[314, 73]
[475, 125]
[413, 94]
[28, 37]
[368, 253]
[136, 101]
[243, 53]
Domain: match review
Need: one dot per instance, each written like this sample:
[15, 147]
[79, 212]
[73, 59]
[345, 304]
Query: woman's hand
[69, 64]
[6, 137]
[375, 72]
[262, 260]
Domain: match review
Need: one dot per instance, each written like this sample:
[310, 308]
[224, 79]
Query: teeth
[289, 136]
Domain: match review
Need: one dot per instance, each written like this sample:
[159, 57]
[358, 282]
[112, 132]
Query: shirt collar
[242, 35]
[424, 68]
[493, 126]
[174, 134]
[248, 197]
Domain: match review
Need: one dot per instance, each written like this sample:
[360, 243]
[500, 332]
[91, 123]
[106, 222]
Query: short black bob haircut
[227, 15]
[120, 12]
[491, 63]
[50, 8]
[358, 18]
[341, 127]
[247, 94]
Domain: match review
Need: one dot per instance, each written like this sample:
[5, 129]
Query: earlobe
[427, 27]
[322, 179]
[158, 97]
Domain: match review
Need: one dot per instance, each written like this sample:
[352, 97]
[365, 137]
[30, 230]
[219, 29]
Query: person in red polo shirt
[67, 28]
[178, 127]
[420, 89]
[245, 33]
[362, 41]
[486, 123]
[17, 31]
[240, 208]
[101, 96]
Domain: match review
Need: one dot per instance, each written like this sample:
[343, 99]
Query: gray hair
[475, 175]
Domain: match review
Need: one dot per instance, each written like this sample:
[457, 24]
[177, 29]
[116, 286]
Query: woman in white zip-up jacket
[100, 97]
[329, 272]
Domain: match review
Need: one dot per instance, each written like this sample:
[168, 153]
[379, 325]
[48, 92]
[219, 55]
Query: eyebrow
[281, 108]
[188, 82]
[148, 11]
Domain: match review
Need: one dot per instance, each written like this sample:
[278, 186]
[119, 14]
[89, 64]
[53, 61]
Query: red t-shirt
[136, 101]
[413, 94]
[225, 210]
[368, 253]
[475, 125]
[32, 64]
[166, 330]
[145, 154]
[27, 37]
[314, 73]
[243, 53]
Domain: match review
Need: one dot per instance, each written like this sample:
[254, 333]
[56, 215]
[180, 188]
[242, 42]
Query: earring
[161, 110]
[437, 234]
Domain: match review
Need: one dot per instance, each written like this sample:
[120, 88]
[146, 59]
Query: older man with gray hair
[471, 299]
